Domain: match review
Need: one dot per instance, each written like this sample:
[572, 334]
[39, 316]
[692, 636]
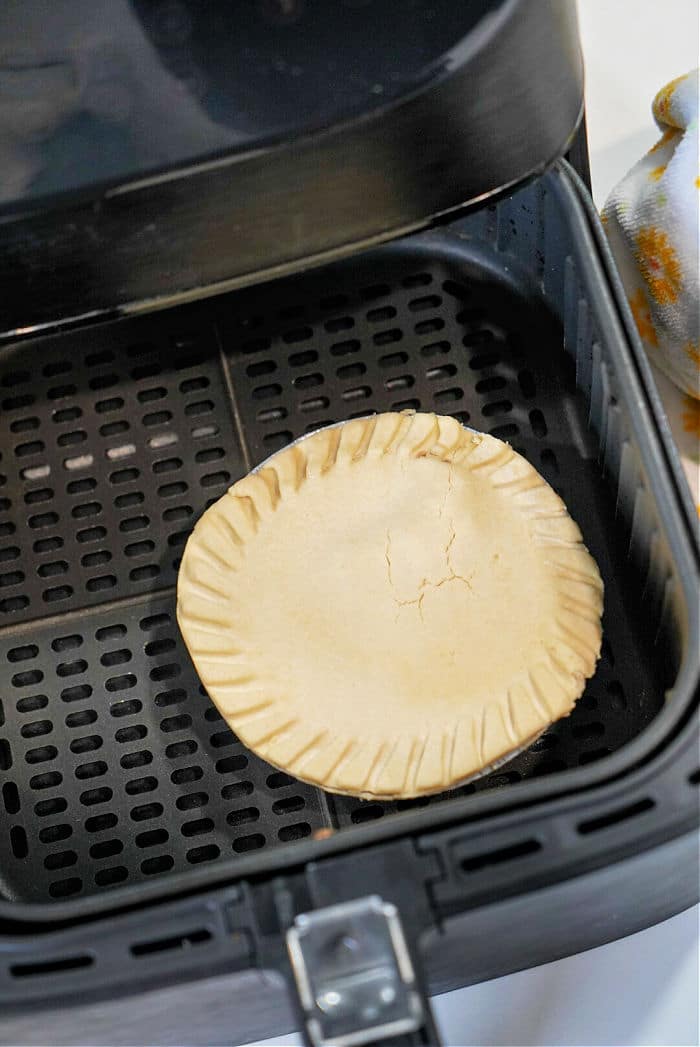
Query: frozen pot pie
[390, 606]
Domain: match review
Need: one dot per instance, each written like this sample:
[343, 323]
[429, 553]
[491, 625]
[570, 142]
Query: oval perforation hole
[120, 683]
[55, 833]
[275, 441]
[236, 790]
[317, 403]
[351, 371]
[206, 853]
[179, 749]
[368, 812]
[52, 569]
[101, 822]
[549, 461]
[197, 827]
[5, 755]
[42, 754]
[231, 764]
[538, 423]
[297, 831]
[260, 368]
[165, 672]
[22, 654]
[126, 708]
[60, 860]
[215, 479]
[19, 844]
[82, 486]
[133, 733]
[11, 578]
[107, 877]
[152, 838]
[145, 573]
[243, 816]
[435, 374]
[56, 593]
[156, 647]
[435, 349]
[146, 812]
[40, 494]
[94, 769]
[45, 808]
[160, 864]
[429, 326]
[106, 849]
[192, 801]
[127, 501]
[278, 779]
[71, 438]
[26, 679]
[136, 786]
[183, 775]
[505, 432]
[419, 305]
[271, 414]
[32, 703]
[77, 693]
[36, 728]
[496, 407]
[140, 758]
[172, 697]
[288, 805]
[248, 843]
[222, 738]
[145, 396]
[65, 888]
[176, 723]
[483, 360]
[81, 719]
[88, 743]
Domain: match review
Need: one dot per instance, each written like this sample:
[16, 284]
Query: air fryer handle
[354, 976]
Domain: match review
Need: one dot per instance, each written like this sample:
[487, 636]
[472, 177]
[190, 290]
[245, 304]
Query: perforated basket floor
[115, 766]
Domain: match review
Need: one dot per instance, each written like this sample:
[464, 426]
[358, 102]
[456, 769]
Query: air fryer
[225, 226]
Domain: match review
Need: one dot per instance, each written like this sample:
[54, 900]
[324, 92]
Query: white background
[644, 989]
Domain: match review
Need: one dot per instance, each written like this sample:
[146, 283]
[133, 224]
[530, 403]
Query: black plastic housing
[500, 102]
[520, 295]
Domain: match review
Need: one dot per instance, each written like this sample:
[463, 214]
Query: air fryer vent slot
[513, 852]
[64, 963]
[622, 814]
[181, 941]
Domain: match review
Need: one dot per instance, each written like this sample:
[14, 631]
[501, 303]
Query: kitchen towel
[652, 222]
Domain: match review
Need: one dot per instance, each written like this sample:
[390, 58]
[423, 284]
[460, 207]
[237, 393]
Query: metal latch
[354, 974]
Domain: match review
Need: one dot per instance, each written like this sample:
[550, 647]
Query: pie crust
[390, 606]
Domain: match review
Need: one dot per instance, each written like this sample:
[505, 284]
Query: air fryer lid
[309, 128]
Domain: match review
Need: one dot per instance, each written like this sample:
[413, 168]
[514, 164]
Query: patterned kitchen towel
[652, 219]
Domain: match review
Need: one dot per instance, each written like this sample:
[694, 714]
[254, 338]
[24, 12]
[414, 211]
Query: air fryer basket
[116, 767]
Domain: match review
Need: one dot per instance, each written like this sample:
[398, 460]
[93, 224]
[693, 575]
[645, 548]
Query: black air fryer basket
[143, 846]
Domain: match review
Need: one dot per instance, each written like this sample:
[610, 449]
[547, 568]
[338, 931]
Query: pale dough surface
[391, 605]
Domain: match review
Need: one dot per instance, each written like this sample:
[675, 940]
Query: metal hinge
[354, 974]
